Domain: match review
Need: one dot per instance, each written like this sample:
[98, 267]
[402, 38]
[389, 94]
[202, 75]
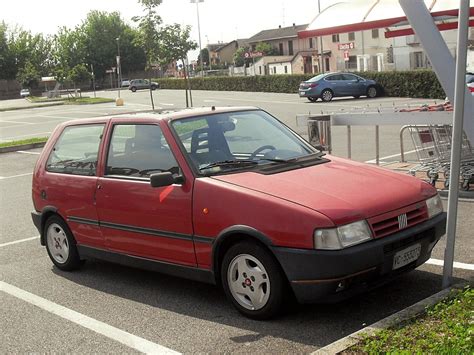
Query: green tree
[7, 61]
[266, 49]
[204, 54]
[19, 48]
[78, 74]
[103, 32]
[239, 57]
[176, 44]
[28, 76]
[149, 36]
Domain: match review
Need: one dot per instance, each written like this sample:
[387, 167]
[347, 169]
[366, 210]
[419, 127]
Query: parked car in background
[329, 85]
[233, 197]
[138, 84]
[125, 83]
[24, 92]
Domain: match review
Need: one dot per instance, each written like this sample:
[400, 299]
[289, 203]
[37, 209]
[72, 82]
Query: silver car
[138, 84]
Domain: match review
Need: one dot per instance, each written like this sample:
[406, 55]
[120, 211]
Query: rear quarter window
[76, 150]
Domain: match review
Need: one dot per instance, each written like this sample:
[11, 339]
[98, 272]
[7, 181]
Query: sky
[221, 20]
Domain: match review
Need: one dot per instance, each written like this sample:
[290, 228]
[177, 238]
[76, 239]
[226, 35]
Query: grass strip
[445, 328]
[23, 142]
[88, 101]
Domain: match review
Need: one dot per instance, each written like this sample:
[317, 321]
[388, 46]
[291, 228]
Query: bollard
[319, 132]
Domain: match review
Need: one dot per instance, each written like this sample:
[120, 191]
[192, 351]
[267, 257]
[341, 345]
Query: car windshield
[317, 78]
[222, 142]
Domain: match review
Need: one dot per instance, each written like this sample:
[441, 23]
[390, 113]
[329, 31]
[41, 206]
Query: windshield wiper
[225, 163]
[291, 160]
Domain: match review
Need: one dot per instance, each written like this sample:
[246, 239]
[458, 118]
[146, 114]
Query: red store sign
[346, 46]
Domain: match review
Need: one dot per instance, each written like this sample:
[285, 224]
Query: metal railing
[376, 119]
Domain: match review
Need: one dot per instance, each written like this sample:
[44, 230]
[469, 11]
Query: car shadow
[315, 325]
[337, 99]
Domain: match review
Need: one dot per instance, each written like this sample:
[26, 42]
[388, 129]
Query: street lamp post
[199, 33]
[119, 67]
[321, 68]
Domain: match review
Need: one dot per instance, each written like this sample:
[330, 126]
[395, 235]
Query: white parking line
[164, 104]
[14, 176]
[25, 152]
[456, 264]
[18, 241]
[130, 340]
[388, 157]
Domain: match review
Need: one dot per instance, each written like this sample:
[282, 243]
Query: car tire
[356, 96]
[133, 89]
[312, 98]
[372, 92]
[327, 95]
[60, 244]
[153, 87]
[253, 281]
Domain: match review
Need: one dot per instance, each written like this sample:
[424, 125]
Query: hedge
[416, 83]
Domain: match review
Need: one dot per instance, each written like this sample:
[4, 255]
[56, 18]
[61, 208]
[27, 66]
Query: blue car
[329, 85]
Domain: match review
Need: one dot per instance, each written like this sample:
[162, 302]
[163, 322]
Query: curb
[22, 147]
[397, 318]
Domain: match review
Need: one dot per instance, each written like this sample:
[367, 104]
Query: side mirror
[165, 179]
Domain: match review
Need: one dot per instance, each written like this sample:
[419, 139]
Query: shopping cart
[432, 145]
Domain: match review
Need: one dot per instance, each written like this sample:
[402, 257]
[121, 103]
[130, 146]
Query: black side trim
[206, 240]
[230, 232]
[83, 221]
[147, 231]
[187, 272]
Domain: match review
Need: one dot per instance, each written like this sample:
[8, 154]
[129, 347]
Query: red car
[229, 196]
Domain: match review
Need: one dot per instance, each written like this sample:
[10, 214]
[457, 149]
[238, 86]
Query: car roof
[167, 115]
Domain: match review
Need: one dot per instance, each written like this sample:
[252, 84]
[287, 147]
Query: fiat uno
[233, 197]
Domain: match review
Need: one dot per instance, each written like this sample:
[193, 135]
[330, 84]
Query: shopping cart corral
[432, 145]
[430, 132]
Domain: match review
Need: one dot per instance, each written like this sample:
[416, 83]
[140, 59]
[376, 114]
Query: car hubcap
[248, 282]
[372, 92]
[327, 95]
[57, 243]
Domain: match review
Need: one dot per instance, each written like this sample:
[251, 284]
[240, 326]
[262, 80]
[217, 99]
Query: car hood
[343, 190]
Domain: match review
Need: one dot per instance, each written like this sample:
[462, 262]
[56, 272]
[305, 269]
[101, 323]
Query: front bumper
[330, 276]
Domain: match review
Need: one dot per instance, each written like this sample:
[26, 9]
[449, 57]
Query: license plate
[406, 256]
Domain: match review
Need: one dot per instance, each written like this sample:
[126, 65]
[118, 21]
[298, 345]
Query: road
[107, 308]
[41, 121]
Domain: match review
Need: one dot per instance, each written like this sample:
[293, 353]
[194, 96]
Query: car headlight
[434, 206]
[343, 236]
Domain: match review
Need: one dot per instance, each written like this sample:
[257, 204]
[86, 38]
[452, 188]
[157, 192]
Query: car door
[336, 84]
[70, 180]
[136, 218]
[351, 85]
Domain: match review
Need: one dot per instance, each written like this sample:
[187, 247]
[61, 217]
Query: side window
[333, 77]
[138, 150]
[349, 77]
[76, 150]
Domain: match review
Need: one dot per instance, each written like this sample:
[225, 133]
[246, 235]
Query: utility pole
[321, 68]
[199, 33]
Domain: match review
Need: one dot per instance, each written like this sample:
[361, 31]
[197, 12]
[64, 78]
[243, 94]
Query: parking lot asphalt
[39, 122]
[107, 308]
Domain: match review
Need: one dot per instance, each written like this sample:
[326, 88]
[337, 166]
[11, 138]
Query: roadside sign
[253, 54]
[346, 46]
[346, 56]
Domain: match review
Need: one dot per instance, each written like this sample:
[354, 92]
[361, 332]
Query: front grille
[389, 223]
